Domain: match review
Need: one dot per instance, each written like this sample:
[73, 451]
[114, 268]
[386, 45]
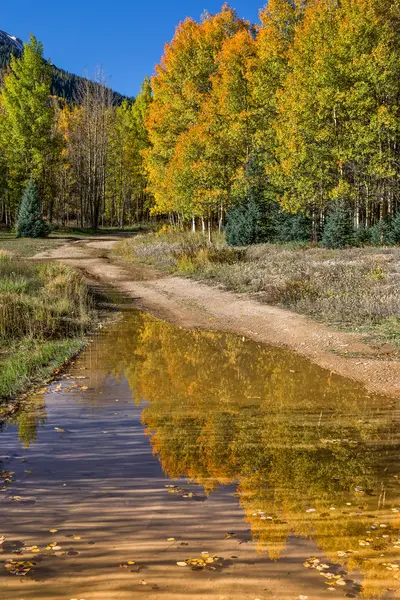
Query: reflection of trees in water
[222, 409]
[28, 417]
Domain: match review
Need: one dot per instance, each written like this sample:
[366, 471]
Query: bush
[338, 231]
[30, 223]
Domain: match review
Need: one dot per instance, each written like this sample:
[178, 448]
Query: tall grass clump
[41, 301]
[42, 306]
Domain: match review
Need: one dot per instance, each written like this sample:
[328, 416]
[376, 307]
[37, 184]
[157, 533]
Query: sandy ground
[193, 304]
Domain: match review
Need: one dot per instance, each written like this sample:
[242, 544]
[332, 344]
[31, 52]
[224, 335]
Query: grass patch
[26, 247]
[355, 288]
[32, 363]
[45, 311]
[88, 231]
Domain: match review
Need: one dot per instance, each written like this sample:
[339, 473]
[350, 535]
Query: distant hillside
[65, 85]
[9, 45]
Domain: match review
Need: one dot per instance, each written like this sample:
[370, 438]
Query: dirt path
[192, 304]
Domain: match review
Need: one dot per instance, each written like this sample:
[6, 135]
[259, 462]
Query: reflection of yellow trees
[221, 409]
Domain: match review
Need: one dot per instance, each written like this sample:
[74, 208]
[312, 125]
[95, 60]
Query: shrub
[30, 223]
[338, 231]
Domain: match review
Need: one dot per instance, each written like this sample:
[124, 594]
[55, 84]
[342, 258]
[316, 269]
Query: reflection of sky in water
[308, 454]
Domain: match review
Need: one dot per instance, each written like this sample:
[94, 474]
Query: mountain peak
[11, 40]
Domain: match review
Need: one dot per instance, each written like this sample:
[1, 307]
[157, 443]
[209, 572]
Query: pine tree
[243, 224]
[338, 231]
[381, 233]
[394, 236]
[251, 222]
[292, 227]
[30, 223]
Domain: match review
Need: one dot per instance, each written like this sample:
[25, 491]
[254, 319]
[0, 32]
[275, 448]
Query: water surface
[287, 473]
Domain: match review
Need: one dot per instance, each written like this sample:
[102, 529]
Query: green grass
[45, 312]
[33, 362]
[356, 289]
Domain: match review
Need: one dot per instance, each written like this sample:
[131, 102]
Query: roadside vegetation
[352, 288]
[45, 312]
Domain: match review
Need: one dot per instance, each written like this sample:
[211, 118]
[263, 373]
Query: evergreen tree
[338, 231]
[30, 224]
[244, 224]
[381, 233]
[292, 227]
[394, 235]
[251, 221]
[362, 236]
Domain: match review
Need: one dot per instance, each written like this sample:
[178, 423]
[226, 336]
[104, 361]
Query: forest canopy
[295, 115]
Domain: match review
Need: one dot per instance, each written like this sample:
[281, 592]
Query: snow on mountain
[11, 40]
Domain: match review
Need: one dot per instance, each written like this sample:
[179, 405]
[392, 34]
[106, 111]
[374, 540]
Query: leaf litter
[206, 561]
[176, 489]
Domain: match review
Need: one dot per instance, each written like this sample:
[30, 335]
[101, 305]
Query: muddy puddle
[275, 478]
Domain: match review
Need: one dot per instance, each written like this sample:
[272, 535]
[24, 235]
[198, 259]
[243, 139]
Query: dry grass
[356, 288]
[41, 301]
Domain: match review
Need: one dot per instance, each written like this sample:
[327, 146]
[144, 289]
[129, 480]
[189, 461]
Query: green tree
[381, 233]
[30, 223]
[338, 231]
[27, 133]
[292, 227]
[140, 110]
[243, 224]
[251, 221]
[394, 235]
[127, 198]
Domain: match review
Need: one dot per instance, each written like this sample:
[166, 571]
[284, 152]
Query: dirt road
[193, 304]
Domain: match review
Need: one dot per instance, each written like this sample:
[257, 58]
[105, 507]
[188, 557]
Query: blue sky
[125, 37]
